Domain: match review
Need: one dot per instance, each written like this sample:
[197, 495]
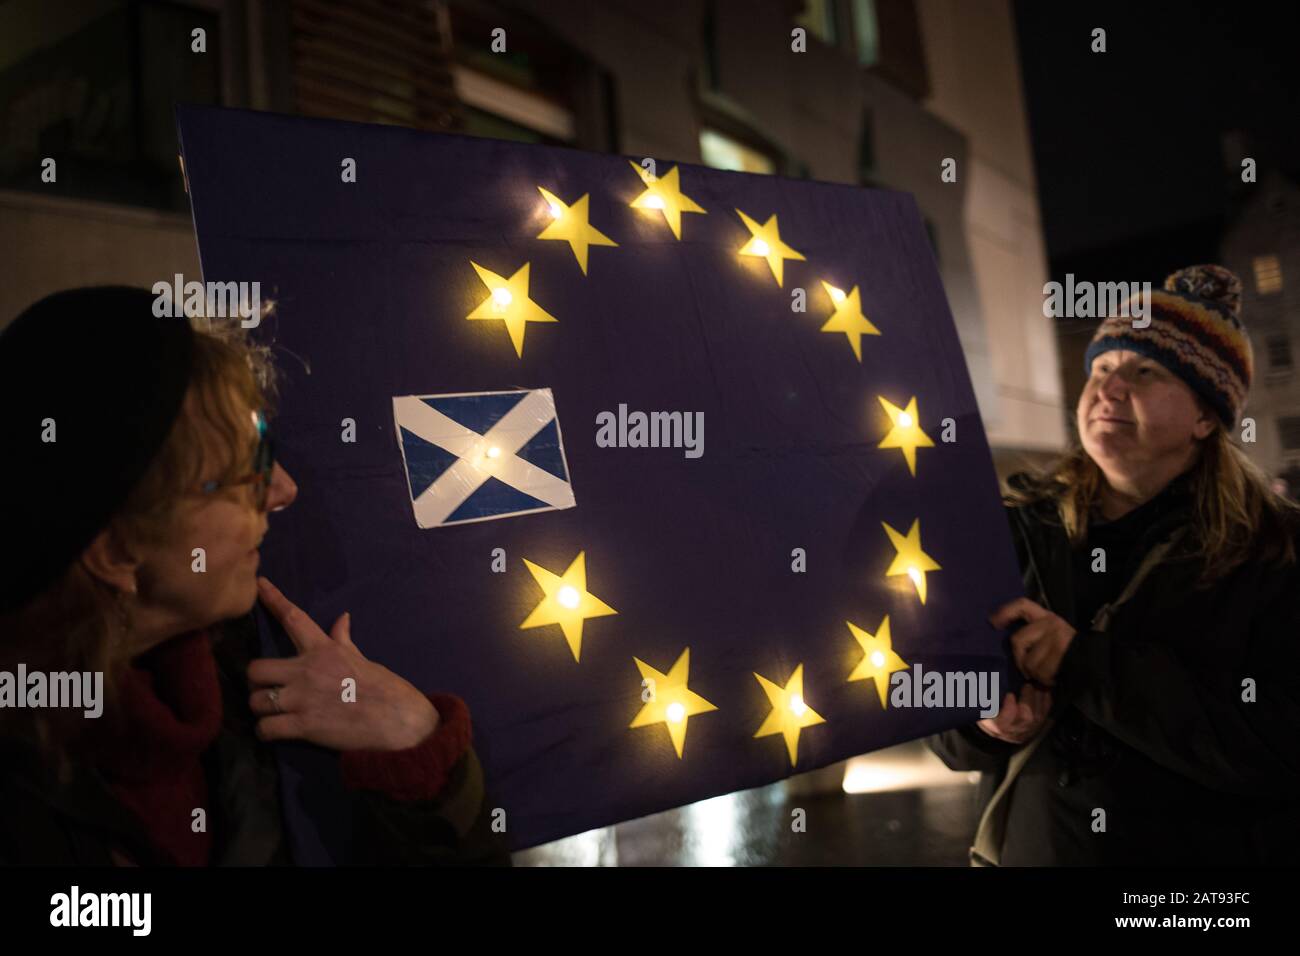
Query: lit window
[505, 111]
[867, 31]
[540, 90]
[1268, 275]
[818, 18]
[723, 152]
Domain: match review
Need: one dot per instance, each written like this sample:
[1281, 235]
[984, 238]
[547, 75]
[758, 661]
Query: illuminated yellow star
[879, 659]
[671, 702]
[766, 244]
[571, 226]
[848, 318]
[665, 195]
[790, 713]
[508, 301]
[910, 560]
[567, 601]
[906, 433]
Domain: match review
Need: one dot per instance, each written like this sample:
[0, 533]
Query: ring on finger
[273, 695]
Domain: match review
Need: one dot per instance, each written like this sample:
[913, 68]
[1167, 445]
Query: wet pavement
[909, 810]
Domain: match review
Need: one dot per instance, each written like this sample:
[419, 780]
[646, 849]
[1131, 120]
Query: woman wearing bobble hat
[130, 441]
[1160, 717]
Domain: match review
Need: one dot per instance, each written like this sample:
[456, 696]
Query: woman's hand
[1018, 721]
[303, 697]
[1039, 646]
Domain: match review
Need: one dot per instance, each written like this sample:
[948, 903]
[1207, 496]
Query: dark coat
[1150, 721]
[80, 822]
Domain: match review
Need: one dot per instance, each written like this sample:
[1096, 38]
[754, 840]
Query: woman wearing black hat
[137, 486]
[1161, 640]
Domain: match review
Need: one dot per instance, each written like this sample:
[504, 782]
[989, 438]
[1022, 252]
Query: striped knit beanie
[1195, 331]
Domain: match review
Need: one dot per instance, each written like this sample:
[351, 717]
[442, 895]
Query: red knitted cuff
[419, 772]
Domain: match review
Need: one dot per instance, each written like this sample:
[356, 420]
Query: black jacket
[1150, 722]
[79, 822]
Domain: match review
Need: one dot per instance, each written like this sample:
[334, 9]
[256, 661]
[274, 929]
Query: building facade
[1262, 246]
[883, 92]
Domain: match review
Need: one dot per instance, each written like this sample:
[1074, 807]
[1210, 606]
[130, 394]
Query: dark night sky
[1128, 143]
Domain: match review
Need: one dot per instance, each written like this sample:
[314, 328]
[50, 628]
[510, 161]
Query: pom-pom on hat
[91, 382]
[1196, 332]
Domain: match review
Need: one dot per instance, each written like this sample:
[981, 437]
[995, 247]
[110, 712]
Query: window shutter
[374, 61]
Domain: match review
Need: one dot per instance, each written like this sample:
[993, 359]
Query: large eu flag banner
[667, 471]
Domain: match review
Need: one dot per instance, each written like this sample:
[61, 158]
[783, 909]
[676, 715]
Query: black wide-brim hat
[100, 374]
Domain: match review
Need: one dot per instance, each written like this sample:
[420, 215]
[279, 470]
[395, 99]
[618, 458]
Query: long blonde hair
[1235, 514]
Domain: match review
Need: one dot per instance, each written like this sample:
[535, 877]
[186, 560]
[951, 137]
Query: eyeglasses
[263, 465]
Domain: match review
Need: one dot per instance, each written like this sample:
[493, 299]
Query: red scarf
[169, 704]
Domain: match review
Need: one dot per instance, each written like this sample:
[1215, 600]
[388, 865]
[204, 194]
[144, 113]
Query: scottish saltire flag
[483, 455]
[771, 516]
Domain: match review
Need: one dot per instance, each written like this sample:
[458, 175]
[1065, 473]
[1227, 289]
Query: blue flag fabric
[732, 511]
